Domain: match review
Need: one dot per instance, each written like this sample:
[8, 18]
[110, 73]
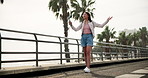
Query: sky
[35, 16]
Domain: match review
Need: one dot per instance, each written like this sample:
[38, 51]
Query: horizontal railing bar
[57, 42]
[59, 53]
[41, 53]
[69, 58]
[66, 38]
[105, 46]
[28, 40]
[69, 53]
[95, 57]
[124, 56]
[97, 52]
[51, 59]
[18, 52]
[35, 34]
[30, 52]
[126, 48]
[7, 38]
[10, 61]
[114, 53]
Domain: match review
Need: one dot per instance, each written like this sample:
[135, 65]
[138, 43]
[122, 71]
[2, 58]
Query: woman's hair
[89, 17]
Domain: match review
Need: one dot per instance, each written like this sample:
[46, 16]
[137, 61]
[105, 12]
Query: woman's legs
[88, 55]
[87, 52]
[87, 43]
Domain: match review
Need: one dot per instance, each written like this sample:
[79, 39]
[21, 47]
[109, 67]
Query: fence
[105, 51]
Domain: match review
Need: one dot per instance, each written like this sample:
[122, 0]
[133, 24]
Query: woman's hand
[109, 18]
[70, 23]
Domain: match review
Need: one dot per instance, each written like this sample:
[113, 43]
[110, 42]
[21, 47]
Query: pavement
[124, 70]
[105, 69]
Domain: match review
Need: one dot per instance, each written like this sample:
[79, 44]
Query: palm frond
[79, 8]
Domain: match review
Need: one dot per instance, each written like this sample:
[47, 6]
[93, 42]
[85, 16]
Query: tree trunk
[65, 21]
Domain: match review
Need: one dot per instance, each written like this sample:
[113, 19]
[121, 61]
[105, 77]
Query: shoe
[86, 70]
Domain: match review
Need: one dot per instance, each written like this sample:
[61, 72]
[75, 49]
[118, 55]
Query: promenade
[105, 69]
[124, 70]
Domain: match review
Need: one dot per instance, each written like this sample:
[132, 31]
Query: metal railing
[105, 51]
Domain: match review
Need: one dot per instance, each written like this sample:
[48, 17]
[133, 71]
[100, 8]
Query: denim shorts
[87, 40]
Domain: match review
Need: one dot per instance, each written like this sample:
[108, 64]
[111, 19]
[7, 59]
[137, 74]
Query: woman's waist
[86, 33]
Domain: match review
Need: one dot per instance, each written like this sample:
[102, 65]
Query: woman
[87, 27]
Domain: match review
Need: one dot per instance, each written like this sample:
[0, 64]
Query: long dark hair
[89, 17]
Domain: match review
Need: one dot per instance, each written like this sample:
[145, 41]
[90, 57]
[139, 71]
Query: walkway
[106, 69]
[126, 70]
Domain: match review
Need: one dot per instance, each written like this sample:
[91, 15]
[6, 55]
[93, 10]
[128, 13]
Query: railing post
[0, 51]
[128, 54]
[131, 53]
[140, 52]
[117, 52]
[78, 51]
[122, 52]
[146, 52]
[36, 40]
[102, 58]
[60, 50]
[110, 52]
[137, 52]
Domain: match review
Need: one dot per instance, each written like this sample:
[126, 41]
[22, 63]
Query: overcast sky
[34, 16]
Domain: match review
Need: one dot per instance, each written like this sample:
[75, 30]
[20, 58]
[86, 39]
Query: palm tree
[125, 39]
[122, 38]
[80, 7]
[107, 34]
[60, 8]
[143, 36]
[129, 39]
[135, 39]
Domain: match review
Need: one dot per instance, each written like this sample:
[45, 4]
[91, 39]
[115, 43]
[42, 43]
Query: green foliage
[60, 8]
[143, 35]
[79, 8]
[107, 34]
[125, 39]
[139, 38]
